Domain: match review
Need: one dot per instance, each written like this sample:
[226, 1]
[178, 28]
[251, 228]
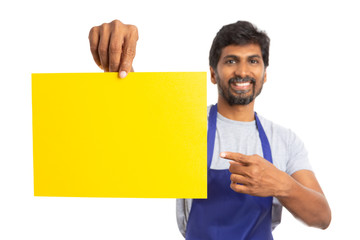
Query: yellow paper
[96, 135]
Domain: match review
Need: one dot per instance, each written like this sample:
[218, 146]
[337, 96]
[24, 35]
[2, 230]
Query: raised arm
[113, 46]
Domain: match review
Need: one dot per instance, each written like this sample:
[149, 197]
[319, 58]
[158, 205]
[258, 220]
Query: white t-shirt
[288, 152]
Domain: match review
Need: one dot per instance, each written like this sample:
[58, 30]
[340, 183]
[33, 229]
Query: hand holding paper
[113, 46]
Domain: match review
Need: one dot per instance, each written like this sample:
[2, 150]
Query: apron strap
[212, 131]
[211, 134]
[264, 140]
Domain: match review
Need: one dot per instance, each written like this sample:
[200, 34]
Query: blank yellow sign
[96, 135]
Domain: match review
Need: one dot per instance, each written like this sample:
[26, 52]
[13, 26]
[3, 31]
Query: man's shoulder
[269, 124]
[271, 128]
[276, 131]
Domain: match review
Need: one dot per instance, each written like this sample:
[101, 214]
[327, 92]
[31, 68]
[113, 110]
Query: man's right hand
[113, 46]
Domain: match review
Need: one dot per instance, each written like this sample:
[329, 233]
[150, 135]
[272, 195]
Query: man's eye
[253, 61]
[230, 61]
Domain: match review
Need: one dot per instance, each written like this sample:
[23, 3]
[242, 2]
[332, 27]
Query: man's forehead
[241, 50]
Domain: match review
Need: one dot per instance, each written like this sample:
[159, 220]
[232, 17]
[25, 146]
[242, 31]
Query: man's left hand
[255, 175]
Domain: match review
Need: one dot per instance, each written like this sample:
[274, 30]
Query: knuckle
[116, 22]
[93, 30]
[254, 171]
[114, 67]
[93, 49]
[103, 27]
[130, 52]
[237, 188]
[254, 158]
[116, 25]
[132, 28]
[115, 47]
[233, 178]
[133, 31]
[103, 50]
[125, 65]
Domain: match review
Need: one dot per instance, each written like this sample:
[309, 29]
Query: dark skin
[113, 48]
[300, 193]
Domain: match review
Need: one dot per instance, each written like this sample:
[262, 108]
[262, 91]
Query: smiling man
[254, 166]
[240, 90]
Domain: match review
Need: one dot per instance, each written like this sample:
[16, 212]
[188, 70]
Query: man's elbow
[321, 221]
[326, 222]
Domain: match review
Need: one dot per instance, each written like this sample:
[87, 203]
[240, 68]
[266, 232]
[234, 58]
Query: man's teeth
[242, 84]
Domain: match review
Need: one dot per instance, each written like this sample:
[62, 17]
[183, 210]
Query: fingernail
[123, 74]
[222, 154]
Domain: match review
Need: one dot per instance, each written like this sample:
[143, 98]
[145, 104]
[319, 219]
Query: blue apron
[225, 214]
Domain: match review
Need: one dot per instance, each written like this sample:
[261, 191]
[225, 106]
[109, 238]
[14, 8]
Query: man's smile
[243, 87]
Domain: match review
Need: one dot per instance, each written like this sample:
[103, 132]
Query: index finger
[237, 157]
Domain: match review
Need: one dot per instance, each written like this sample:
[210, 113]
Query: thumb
[127, 57]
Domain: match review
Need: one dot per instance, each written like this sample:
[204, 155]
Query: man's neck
[244, 113]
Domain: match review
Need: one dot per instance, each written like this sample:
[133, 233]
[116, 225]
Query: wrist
[286, 186]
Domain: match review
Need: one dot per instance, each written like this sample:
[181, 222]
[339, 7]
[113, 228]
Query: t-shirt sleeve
[183, 207]
[180, 215]
[298, 156]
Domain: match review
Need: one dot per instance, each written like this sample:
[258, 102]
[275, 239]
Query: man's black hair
[239, 33]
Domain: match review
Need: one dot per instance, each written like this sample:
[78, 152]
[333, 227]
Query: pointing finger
[237, 157]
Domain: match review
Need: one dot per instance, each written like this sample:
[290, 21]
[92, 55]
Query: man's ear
[213, 75]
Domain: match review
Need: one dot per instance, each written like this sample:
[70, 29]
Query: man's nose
[242, 70]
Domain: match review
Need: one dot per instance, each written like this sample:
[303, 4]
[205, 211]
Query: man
[254, 165]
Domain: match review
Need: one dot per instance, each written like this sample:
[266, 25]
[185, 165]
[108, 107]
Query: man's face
[240, 73]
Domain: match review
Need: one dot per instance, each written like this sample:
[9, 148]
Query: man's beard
[240, 98]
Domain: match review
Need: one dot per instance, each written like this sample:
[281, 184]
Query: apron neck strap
[212, 131]
[264, 140]
[211, 134]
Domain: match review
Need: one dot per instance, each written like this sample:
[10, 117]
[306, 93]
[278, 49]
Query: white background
[313, 88]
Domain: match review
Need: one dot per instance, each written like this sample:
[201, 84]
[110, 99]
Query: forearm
[304, 203]
[300, 193]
